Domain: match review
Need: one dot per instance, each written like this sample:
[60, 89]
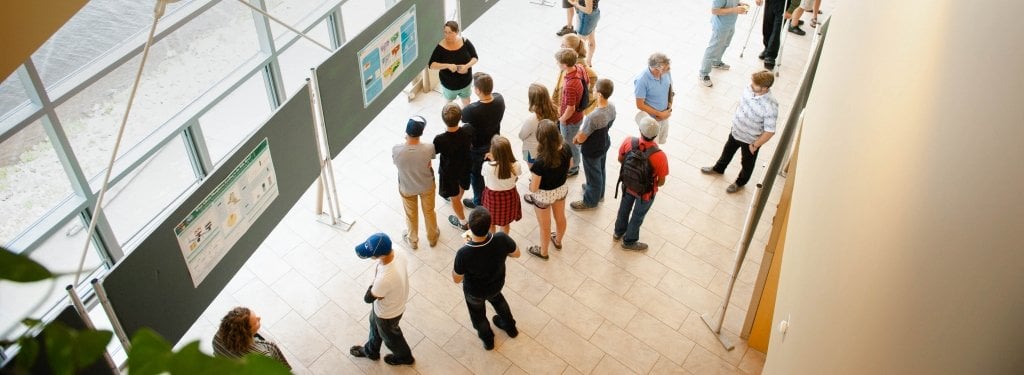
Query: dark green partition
[151, 287]
[471, 10]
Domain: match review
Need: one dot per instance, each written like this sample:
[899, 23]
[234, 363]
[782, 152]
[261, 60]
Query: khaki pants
[429, 216]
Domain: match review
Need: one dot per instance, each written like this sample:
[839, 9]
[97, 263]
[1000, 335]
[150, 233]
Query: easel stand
[326, 186]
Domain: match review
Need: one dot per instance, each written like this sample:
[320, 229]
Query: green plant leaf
[190, 360]
[19, 268]
[59, 348]
[27, 354]
[89, 346]
[256, 364]
[150, 353]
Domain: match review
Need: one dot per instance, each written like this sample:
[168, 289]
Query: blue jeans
[388, 332]
[478, 313]
[720, 40]
[593, 169]
[568, 132]
[629, 226]
[476, 179]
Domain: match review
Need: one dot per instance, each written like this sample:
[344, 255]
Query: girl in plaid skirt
[500, 175]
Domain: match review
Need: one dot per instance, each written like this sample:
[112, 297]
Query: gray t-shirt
[598, 119]
[415, 175]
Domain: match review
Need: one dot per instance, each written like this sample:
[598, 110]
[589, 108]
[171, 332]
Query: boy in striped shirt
[752, 126]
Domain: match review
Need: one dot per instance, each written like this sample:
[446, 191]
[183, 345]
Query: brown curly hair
[236, 330]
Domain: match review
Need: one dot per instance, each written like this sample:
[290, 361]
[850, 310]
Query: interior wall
[903, 250]
[26, 25]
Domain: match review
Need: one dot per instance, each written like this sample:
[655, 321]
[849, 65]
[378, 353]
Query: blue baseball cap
[414, 127]
[377, 245]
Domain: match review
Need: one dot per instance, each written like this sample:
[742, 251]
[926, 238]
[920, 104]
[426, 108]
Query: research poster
[216, 224]
[388, 55]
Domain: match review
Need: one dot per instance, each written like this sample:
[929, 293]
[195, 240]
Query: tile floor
[592, 308]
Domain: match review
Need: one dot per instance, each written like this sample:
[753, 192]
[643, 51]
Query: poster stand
[326, 184]
[84, 314]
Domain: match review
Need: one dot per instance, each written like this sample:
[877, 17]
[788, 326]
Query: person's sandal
[558, 245]
[535, 251]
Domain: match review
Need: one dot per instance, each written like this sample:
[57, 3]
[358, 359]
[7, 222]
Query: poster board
[388, 55]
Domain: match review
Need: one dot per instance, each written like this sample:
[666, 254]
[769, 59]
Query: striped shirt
[756, 114]
[259, 346]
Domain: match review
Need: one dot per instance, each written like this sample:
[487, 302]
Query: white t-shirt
[391, 283]
[491, 180]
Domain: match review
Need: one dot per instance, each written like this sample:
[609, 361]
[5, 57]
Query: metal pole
[327, 165]
[753, 21]
[109, 309]
[319, 150]
[741, 253]
[292, 29]
[84, 314]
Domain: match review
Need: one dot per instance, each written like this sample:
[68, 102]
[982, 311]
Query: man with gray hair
[653, 91]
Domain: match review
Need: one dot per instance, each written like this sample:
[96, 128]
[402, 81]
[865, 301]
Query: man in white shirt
[388, 294]
[752, 127]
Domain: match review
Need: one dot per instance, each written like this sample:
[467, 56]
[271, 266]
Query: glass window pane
[100, 26]
[12, 95]
[148, 190]
[180, 69]
[290, 12]
[231, 121]
[32, 180]
[302, 55]
[356, 15]
[59, 253]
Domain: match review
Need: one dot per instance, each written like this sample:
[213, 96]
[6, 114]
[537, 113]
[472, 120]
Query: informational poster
[216, 224]
[388, 55]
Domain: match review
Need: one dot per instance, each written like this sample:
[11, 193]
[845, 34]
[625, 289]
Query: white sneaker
[705, 80]
[722, 66]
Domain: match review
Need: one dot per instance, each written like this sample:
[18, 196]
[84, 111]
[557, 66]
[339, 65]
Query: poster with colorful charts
[216, 224]
[387, 56]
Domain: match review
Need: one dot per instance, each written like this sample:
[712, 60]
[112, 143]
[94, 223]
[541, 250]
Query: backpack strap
[634, 143]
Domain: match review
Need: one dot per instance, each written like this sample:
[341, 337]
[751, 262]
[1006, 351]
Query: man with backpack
[644, 168]
[575, 97]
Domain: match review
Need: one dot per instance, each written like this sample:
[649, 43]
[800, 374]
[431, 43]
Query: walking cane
[753, 20]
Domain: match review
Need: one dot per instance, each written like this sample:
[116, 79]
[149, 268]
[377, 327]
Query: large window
[358, 14]
[235, 117]
[12, 95]
[32, 180]
[290, 12]
[148, 190]
[301, 56]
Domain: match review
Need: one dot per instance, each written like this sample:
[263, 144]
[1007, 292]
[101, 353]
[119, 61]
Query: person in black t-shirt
[454, 58]
[453, 170]
[547, 186]
[484, 118]
[480, 267]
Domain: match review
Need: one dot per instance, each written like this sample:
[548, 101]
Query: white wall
[905, 247]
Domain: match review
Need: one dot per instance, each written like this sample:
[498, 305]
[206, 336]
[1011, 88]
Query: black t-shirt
[485, 118]
[553, 177]
[483, 264]
[454, 80]
[454, 150]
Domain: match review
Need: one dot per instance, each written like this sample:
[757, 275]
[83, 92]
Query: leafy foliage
[20, 268]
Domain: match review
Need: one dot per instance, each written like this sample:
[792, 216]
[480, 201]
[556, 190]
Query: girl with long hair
[548, 188]
[238, 335]
[501, 197]
[541, 106]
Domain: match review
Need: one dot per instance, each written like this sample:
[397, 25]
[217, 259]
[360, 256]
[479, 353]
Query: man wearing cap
[633, 206]
[388, 293]
[416, 182]
[653, 91]
[480, 267]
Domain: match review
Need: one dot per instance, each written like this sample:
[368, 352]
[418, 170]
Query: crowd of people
[568, 129]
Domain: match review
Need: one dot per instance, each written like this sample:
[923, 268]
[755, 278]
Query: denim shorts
[452, 94]
[586, 23]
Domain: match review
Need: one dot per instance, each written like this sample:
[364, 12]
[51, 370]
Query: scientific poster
[216, 224]
[388, 55]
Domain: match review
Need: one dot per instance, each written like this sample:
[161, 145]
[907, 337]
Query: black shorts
[566, 5]
[450, 186]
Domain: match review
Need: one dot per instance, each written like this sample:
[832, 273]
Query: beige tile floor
[592, 308]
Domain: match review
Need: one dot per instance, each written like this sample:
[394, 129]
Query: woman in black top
[454, 57]
[547, 186]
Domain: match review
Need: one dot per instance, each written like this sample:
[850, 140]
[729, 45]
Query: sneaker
[769, 64]
[705, 80]
[468, 203]
[565, 30]
[581, 206]
[760, 56]
[408, 241]
[709, 170]
[617, 237]
[636, 246]
[511, 331]
[573, 171]
[454, 221]
[732, 188]
[358, 351]
[722, 66]
[797, 30]
[395, 361]
[488, 344]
